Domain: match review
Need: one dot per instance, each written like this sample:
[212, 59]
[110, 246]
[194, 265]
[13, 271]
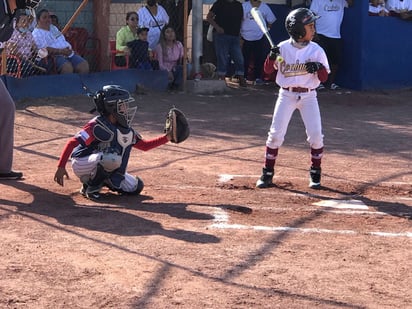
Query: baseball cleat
[265, 181]
[314, 177]
[92, 193]
[11, 176]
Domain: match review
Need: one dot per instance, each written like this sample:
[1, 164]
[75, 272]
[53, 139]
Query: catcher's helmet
[296, 20]
[113, 99]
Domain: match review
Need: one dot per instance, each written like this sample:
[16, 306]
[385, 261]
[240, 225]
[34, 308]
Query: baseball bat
[260, 20]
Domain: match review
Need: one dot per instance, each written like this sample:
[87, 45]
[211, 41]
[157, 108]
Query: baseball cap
[142, 29]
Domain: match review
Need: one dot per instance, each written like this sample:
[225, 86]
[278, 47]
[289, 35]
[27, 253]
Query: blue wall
[73, 84]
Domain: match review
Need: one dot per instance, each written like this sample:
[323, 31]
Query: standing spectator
[170, 56]
[255, 45]
[154, 17]
[328, 34]
[226, 17]
[175, 10]
[7, 106]
[22, 45]
[48, 36]
[377, 8]
[125, 35]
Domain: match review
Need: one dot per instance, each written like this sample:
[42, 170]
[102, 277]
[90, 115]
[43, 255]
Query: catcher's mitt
[176, 126]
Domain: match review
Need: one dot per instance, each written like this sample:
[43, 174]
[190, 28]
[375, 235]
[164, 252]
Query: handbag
[209, 35]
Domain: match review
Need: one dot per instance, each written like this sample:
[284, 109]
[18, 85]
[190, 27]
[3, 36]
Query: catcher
[100, 151]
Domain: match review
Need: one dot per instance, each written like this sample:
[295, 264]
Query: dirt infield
[201, 235]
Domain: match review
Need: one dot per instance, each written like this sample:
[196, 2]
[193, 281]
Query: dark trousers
[257, 51]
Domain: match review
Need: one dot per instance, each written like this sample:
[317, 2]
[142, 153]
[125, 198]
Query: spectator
[22, 45]
[226, 17]
[126, 34]
[154, 17]
[48, 36]
[255, 46]
[175, 10]
[400, 8]
[55, 20]
[140, 55]
[377, 8]
[328, 34]
[169, 53]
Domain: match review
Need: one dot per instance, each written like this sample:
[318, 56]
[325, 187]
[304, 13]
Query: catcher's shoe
[83, 189]
[315, 175]
[265, 181]
[92, 192]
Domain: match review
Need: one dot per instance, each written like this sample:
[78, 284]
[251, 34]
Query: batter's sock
[270, 158]
[316, 157]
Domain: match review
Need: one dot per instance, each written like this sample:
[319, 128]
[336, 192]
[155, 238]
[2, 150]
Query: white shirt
[53, 38]
[249, 29]
[292, 71]
[331, 16]
[146, 20]
[399, 6]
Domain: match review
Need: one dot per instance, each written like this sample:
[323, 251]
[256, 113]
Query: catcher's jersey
[101, 135]
[292, 71]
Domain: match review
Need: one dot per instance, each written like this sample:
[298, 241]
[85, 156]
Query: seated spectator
[48, 36]
[126, 34]
[140, 55]
[154, 17]
[399, 8]
[22, 45]
[377, 8]
[55, 21]
[169, 53]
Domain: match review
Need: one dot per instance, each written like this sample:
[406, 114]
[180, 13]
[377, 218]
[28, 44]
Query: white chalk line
[222, 218]
[228, 177]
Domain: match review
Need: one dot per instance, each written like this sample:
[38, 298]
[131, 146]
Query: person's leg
[310, 113]
[259, 56]
[79, 64]
[222, 53]
[7, 110]
[335, 55]
[236, 54]
[247, 51]
[284, 108]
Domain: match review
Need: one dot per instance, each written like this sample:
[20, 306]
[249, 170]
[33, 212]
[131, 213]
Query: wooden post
[3, 62]
[74, 16]
[185, 19]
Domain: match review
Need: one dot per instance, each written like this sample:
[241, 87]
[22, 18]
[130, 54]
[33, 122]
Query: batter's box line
[224, 178]
[222, 218]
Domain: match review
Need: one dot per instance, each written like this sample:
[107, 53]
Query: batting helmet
[296, 20]
[115, 100]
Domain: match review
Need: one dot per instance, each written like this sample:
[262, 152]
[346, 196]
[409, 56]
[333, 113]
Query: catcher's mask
[115, 100]
[296, 20]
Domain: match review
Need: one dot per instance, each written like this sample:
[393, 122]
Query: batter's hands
[312, 67]
[274, 52]
[59, 176]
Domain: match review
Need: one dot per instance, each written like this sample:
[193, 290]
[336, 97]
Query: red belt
[297, 89]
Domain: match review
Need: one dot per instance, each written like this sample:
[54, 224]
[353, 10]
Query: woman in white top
[154, 17]
[48, 36]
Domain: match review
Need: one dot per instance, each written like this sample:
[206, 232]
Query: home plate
[343, 204]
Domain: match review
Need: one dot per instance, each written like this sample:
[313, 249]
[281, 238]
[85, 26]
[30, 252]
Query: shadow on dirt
[103, 219]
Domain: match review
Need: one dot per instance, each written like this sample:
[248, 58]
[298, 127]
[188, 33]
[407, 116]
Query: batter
[303, 67]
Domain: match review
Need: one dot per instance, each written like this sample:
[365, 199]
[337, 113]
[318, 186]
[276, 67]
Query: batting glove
[274, 52]
[312, 67]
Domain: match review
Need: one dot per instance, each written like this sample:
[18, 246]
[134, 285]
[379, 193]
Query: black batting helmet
[296, 20]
